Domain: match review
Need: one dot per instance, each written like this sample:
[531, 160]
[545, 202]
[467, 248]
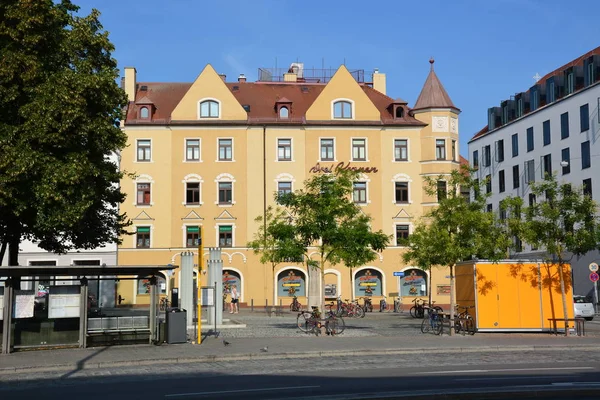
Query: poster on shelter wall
[63, 302]
[24, 304]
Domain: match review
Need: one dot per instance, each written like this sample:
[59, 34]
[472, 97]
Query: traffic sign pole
[594, 269]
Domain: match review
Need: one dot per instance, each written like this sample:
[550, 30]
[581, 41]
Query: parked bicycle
[349, 309]
[464, 322]
[312, 322]
[295, 305]
[433, 323]
[367, 304]
[421, 307]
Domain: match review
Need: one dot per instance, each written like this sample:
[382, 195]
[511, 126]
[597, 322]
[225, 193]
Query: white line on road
[241, 391]
[479, 371]
[511, 378]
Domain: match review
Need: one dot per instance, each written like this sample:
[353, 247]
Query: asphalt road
[345, 377]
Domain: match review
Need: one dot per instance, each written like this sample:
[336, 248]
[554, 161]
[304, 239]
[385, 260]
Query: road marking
[512, 378]
[478, 371]
[241, 391]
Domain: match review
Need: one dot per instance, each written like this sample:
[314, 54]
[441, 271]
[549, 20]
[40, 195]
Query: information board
[63, 302]
[208, 296]
[24, 303]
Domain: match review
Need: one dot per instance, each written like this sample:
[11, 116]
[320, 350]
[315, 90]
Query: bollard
[251, 305]
[396, 305]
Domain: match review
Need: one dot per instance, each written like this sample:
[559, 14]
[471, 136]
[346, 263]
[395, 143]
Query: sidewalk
[213, 350]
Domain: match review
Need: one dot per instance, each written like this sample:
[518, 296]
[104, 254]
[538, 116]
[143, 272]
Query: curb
[263, 356]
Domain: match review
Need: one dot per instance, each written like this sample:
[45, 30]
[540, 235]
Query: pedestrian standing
[234, 306]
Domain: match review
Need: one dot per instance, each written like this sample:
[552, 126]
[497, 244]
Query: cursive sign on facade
[342, 166]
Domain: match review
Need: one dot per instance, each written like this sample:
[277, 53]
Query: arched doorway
[368, 282]
[230, 278]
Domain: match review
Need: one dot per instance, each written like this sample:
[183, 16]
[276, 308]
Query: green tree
[458, 229]
[560, 219]
[60, 108]
[276, 241]
[325, 217]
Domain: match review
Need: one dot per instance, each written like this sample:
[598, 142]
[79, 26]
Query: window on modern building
[515, 144]
[359, 192]
[584, 117]
[500, 150]
[284, 188]
[359, 149]
[546, 132]
[516, 177]
[192, 149]
[192, 236]
[209, 109]
[442, 189]
[586, 160]
[284, 149]
[144, 150]
[143, 194]
[225, 149]
[518, 244]
[476, 189]
[144, 113]
[529, 171]
[550, 91]
[501, 181]
[327, 150]
[401, 150]
[488, 184]
[402, 232]
[454, 150]
[532, 199]
[565, 156]
[535, 100]
[225, 236]
[225, 192]
[487, 156]
[564, 125]
[520, 108]
[142, 237]
[489, 208]
[192, 193]
[401, 189]
[342, 109]
[502, 214]
[475, 159]
[547, 166]
[284, 112]
[530, 144]
[570, 84]
[440, 149]
[587, 187]
[590, 73]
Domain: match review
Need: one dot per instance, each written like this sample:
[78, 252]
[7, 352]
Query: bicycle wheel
[436, 325]
[470, 325]
[425, 326]
[360, 312]
[420, 312]
[413, 311]
[303, 321]
[334, 326]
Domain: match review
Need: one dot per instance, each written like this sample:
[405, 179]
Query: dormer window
[209, 109]
[399, 112]
[342, 110]
[284, 112]
[144, 113]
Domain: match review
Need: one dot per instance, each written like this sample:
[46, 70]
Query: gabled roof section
[144, 100]
[208, 85]
[433, 94]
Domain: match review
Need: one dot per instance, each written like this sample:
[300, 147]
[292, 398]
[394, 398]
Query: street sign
[398, 273]
[593, 267]
[594, 277]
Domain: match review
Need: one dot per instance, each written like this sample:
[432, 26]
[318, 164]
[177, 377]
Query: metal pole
[8, 302]
[216, 334]
[251, 305]
[595, 297]
[153, 293]
[83, 303]
[199, 338]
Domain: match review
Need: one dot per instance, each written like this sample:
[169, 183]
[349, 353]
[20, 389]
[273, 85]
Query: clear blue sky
[485, 50]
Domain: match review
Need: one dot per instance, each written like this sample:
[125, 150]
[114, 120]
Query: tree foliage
[325, 217]
[60, 108]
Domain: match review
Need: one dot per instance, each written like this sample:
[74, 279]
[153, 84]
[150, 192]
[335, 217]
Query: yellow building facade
[208, 157]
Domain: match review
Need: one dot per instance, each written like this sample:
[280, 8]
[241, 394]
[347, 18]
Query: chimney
[129, 83]
[379, 81]
[242, 78]
[290, 77]
[224, 77]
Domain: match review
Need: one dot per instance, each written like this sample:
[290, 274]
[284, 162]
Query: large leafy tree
[326, 218]
[561, 220]
[60, 108]
[458, 229]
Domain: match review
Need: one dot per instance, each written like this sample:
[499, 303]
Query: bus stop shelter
[70, 302]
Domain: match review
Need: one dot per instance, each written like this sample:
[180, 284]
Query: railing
[308, 75]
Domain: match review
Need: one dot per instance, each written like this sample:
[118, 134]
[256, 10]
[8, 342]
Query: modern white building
[553, 127]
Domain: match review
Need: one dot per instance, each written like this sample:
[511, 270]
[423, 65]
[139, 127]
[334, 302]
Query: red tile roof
[578, 61]
[261, 99]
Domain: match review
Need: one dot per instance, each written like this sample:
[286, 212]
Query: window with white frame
[401, 150]
[144, 150]
[225, 192]
[143, 194]
[401, 192]
[284, 112]
[192, 193]
[284, 187]
[359, 193]
[225, 149]
[359, 149]
[342, 110]
[327, 150]
[142, 237]
[402, 232]
[225, 236]
[209, 109]
[440, 149]
[192, 149]
[192, 236]
[284, 149]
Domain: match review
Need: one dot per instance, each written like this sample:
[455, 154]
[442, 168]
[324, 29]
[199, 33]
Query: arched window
[284, 112]
[144, 113]
[209, 109]
[399, 112]
[342, 109]
[367, 282]
[413, 283]
[291, 282]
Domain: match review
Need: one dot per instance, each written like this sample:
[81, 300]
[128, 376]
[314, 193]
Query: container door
[487, 294]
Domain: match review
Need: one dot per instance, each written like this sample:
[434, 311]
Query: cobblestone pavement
[434, 359]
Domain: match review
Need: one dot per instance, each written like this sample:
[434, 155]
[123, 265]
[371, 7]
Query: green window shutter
[226, 228]
[193, 229]
[143, 229]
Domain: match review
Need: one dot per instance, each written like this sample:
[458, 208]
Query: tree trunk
[430, 288]
[13, 250]
[3, 252]
[452, 300]
[274, 286]
[562, 293]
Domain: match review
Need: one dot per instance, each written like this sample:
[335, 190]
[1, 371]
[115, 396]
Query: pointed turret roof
[433, 94]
